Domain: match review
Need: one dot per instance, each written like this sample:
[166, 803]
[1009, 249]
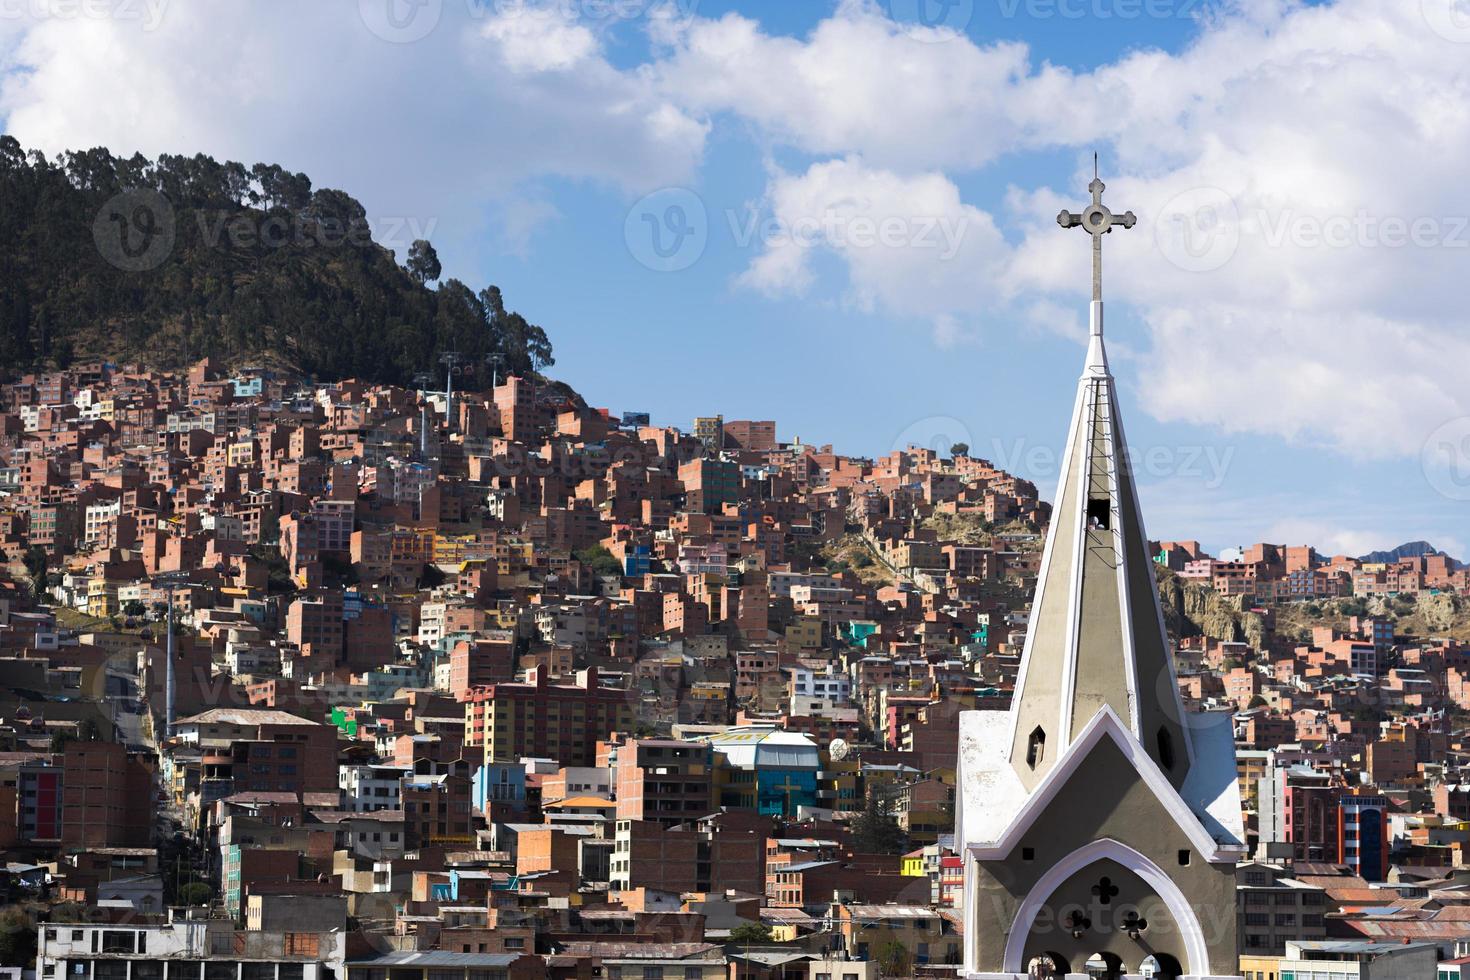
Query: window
[1166, 749]
[1183, 859]
[1099, 515]
[1036, 747]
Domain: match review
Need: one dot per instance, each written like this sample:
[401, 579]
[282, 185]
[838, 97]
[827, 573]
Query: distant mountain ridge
[1414, 549]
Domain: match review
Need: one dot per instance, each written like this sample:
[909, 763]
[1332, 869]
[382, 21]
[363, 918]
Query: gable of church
[1104, 798]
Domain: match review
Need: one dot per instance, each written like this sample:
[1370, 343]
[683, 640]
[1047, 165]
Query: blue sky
[1292, 379]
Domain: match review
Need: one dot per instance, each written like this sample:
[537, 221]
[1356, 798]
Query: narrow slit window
[1036, 748]
[1099, 515]
[1166, 749]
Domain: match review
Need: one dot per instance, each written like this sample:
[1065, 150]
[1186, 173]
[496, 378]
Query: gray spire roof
[1097, 634]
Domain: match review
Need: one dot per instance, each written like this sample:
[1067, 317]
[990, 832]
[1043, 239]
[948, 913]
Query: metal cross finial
[1098, 221]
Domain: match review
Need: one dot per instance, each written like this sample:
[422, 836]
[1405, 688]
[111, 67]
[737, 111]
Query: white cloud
[532, 39]
[438, 129]
[911, 246]
[1297, 170]
[1297, 278]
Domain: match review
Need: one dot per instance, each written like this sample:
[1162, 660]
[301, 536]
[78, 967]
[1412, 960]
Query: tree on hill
[176, 258]
[423, 262]
[600, 560]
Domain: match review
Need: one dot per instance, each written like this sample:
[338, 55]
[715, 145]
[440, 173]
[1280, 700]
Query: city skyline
[541, 146]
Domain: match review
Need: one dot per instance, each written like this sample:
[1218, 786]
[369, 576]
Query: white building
[192, 949]
[371, 787]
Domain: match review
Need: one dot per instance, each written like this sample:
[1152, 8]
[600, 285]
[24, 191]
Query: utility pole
[494, 360]
[169, 581]
[422, 380]
[449, 359]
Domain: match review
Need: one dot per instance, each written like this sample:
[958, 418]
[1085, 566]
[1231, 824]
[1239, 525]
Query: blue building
[765, 769]
[638, 562]
[499, 782]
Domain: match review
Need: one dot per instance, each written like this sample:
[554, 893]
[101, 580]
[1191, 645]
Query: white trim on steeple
[1047, 554]
[1097, 352]
[1080, 481]
[1107, 849]
[1120, 572]
[1106, 723]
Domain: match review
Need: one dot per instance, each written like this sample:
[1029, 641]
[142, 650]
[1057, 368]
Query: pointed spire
[1096, 636]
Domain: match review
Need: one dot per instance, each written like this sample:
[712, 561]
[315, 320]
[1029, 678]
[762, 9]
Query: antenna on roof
[1094, 165]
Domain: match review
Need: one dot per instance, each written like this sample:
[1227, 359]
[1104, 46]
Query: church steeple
[1097, 631]
[1094, 792]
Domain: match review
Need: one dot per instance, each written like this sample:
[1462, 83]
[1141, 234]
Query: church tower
[1098, 821]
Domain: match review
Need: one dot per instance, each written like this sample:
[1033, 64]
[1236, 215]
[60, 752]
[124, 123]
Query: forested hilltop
[165, 261]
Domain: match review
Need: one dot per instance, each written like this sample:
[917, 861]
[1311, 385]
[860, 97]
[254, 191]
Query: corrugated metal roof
[437, 957]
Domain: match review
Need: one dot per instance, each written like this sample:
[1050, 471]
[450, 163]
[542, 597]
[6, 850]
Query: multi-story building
[663, 781]
[1299, 806]
[190, 949]
[368, 788]
[437, 804]
[1273, 908]
[544, 720]
[1334, 959]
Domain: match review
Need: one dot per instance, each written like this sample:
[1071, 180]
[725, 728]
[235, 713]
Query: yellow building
[102, 598]
[805, 633]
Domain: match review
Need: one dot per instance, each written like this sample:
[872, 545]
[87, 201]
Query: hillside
[165, 261]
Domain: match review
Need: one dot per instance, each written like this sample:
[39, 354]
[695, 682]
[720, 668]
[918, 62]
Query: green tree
[134, 608]
[960, 449]
[323, 298]
[423, 262]
[600, 560]
[894, 960]
[17, 935]
[270, 527]
[751, 934]
[875, 830]
[195, 893]
[37, 563]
